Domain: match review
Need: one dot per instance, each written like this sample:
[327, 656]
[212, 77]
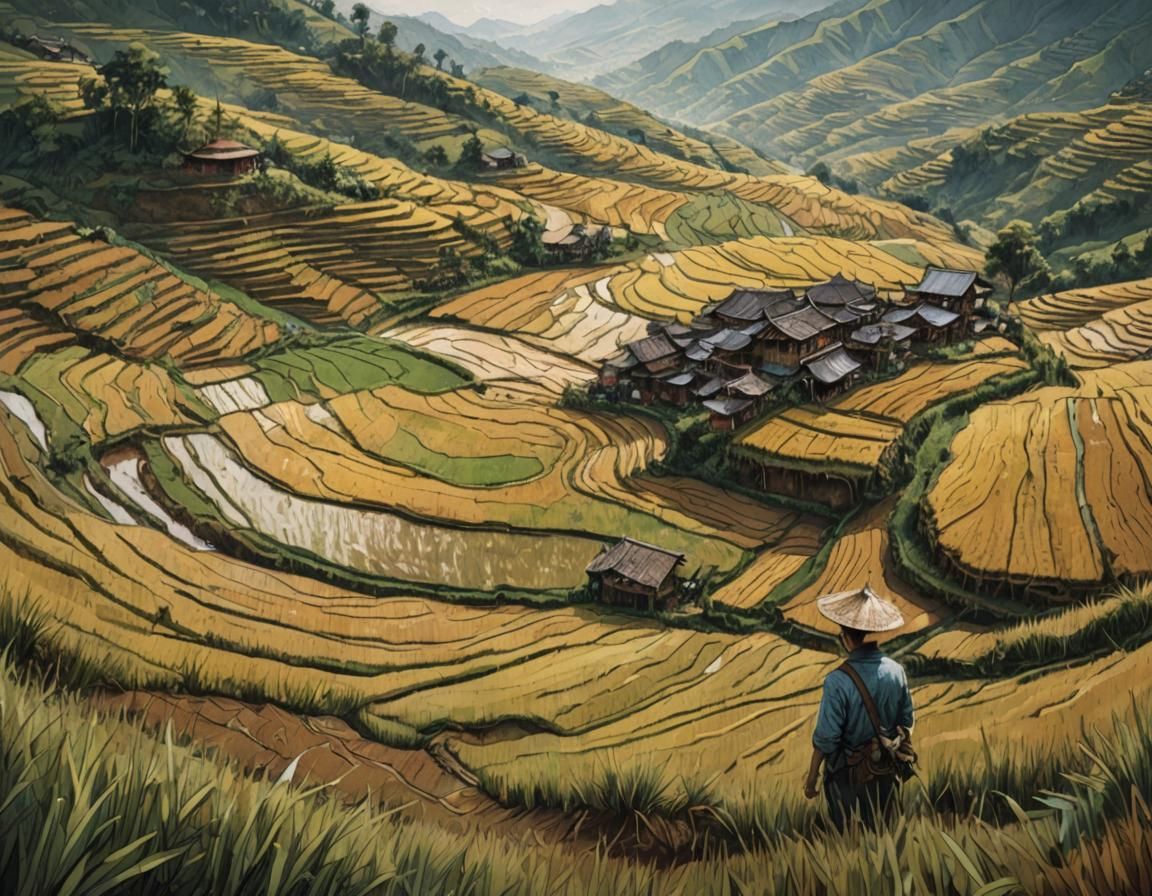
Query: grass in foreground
[93, 805]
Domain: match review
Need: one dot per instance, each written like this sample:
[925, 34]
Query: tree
[360, 16]
[1014, 257]
[387, 33]
[133, 77]
[327, 8]
[418, 52]
[554, 95]
[185, 101]
[472, 153]
[440, 56]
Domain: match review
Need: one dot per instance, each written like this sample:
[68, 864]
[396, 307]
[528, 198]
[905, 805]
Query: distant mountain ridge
[849, 79]
[609, 36]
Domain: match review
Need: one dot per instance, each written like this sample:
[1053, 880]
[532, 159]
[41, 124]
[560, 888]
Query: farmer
[863, 732]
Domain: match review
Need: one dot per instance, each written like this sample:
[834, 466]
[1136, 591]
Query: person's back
[845, 731]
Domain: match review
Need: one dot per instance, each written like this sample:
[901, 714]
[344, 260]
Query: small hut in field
[636, 575]
[223, 157]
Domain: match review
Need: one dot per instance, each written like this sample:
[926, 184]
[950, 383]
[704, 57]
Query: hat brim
[862, 610]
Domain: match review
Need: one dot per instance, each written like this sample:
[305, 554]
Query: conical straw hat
[862, 609]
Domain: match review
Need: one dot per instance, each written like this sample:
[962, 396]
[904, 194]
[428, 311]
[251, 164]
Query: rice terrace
[636, 448]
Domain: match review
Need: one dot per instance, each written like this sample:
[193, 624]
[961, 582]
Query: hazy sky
[467, 11]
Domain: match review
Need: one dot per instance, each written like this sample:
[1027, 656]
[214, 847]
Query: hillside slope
[894, 70]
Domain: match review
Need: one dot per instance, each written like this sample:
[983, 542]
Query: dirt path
[430, 785]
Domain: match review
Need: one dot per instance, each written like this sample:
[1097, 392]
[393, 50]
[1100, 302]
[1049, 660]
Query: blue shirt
[843, 722]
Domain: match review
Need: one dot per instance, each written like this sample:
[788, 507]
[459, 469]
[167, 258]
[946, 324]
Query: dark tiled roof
[831, 365]
[652, 349]
[935, 316]
[944, 282]
[802, 325]
[749, 386]
[785, 306]
[701, 351]
[749, 304]
[223, 150]
[874, 334]
[728, 407]
[644, 564]
[842, 314]
[710, 388]
[729, 340]
[841, 291]
[899, 315]
[624, 360]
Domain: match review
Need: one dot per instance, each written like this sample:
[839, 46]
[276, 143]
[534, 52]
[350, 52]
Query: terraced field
[857, 430]
[1047, 492]
[615, 691]
[108, 397]
[677, 285]
[861, 555]
[115, 293]
[621, 118]
[497, 359]
[569, 311]
[338, 267]
[23, 75]
[575, 469]
[1094, 328]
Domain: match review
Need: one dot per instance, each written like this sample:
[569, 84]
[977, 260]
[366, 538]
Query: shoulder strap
[865, 695]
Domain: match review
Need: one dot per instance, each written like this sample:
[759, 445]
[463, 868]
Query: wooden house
[655, 356]
[225, 157]
[726, 414]
[636, 575]
[831, 371]
[502, 159]
[675, 388]
[789, 338]
[747, 306]
[961, 292]
[881, 343]
[849, 302]
[56, 49]
[931, 323]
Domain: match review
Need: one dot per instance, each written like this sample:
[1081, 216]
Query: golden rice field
[570, 312]
[615, 690]
[860, 557]
[1050, 489]
[304, 85]
[1080, 307]
[23, 76]
[616, 115]
[858, 428]
[479, 205]
[117, 294]
[500, 361]
[333, 267]
[452, 460]
[1047, 135]
[108, 397]
[969, 642]
[309, 91]
[677, 285]
[1096, 327]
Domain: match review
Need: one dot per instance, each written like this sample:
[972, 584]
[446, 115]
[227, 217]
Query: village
[737, 354]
